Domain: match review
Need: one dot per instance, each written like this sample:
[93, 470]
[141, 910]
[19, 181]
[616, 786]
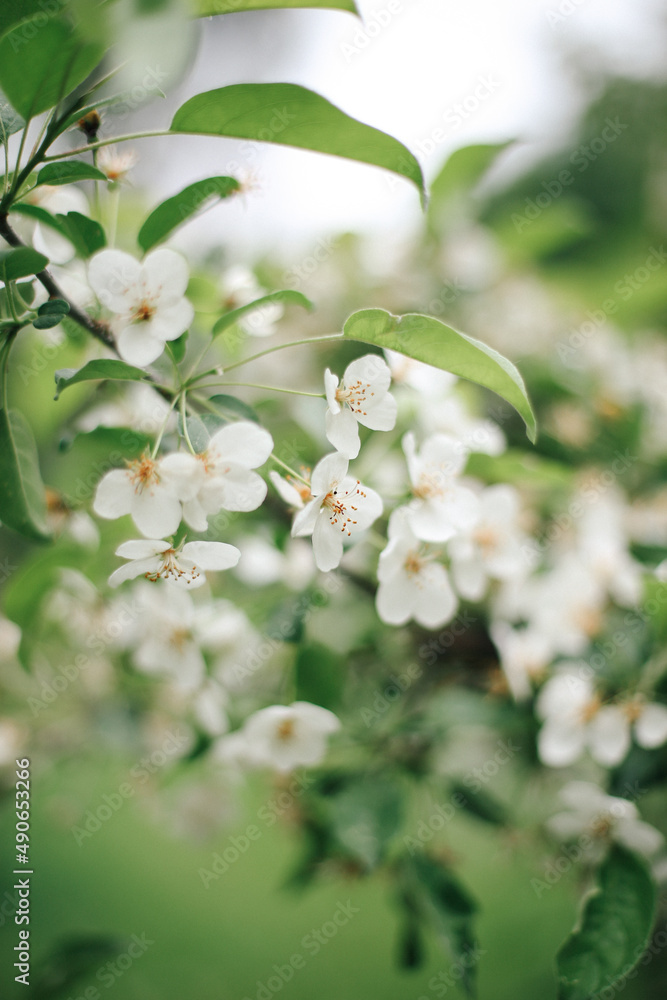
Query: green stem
[256, 385]
[184, 421]
[289, 469]
[164, 427]
[114, 206]
[281, 347]
[9, 288]
[107, 142]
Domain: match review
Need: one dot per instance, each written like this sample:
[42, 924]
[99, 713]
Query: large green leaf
[20, 262]
[12, 12]
[286, 295]
[68, 172]
[365, 815]
[41, 61]
[174, 211]
[22, 496]
[85, 234]
[427, 339]
[95, 370]
[614, 929]
[205, 8]
[290, 115]
[10, 120]
[464, 168]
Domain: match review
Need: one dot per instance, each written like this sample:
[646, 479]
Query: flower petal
[212, 555]
[372, 370]
[342, 430]
[115, 494]
[133, 569]
[651, 726]
[114, 276]
[137, 346]
[156, 512]
[327, 544]
[380, 416]
[330, 386]
[609, 736]
[243, 443]
[142, 548]
[181, 474]
[330, 470]
[305, 520]
[166, 275]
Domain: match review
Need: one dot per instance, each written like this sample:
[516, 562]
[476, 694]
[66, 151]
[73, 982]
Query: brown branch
[95, 327]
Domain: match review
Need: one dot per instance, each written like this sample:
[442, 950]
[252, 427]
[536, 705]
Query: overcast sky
[436, 74]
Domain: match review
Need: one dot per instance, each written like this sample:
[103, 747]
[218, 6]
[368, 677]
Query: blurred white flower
[151, 491]
[441, 507]
[262, 563]
[524, 656]
[147, 298]
[575, 720]
[361, 397]
[602, 541]
[228, 482]
[604, 818]
[137, 406]
[239, 288]
[340, 507]
[296, 494]
[285, 736]
[10, 639]
[184, 566]
[411, 583]
[492, 548]
[116, 165]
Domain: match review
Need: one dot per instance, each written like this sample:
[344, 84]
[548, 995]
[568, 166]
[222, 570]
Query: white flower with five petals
[184, 566]
[361, 397]
[227, 480]
[603, 818]
[147, 299]
[441, 506]
[151, 491]
[340, 507]
[411, 583]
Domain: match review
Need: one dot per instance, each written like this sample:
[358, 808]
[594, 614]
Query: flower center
[354, 395]
[487, 538]
[414, 564]
[170, 568]
[590, 709]
[338, 508]
[144, 311]
[430, 484]
[179, 637]
[633, 709]
[588, 619]
[285, 730]
[602, 825]
[143, 473]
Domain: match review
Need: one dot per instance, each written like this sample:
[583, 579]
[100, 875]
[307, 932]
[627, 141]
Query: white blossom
[491, 549]
[411, 583]
[361, 397]
[227, 481]
[184, 566]
[524, 656]
[340, 507]
[285, 736]
[240, 288]
[441, 506]
[604, 818]
[147, 299]
[151, 491]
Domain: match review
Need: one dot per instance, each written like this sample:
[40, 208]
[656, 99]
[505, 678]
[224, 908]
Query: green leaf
[22, 495]
[319, 675]
[427, 339]
[522, 468]
[50, 314]
[290, 115]
[41, 61]
[20, 263]
[10, 120]
[233, 405]
[365, 815]
[68, 172]
[85, 234]
[178, 347]
[205, 8]
[614, 929]
[104, 369]
[464, 168]
[286, 295]
[174, 211]
[453, 910]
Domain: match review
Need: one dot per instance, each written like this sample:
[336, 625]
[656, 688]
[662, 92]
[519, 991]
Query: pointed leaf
[234, 405]
[85, 234]
[22, 495]
[20, 263]
[290, 115]
[41, 61]
[427, 339]
[286, 295]
[68, 172]
[464, 168]
[106, 368]
[10, 120]
[205, 8]
[176, 210]
[614, 929]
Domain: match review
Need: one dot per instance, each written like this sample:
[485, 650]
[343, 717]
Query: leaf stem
[108, 142]
[281, 347]
[289, 469]
[184, 421]
[256, 385]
